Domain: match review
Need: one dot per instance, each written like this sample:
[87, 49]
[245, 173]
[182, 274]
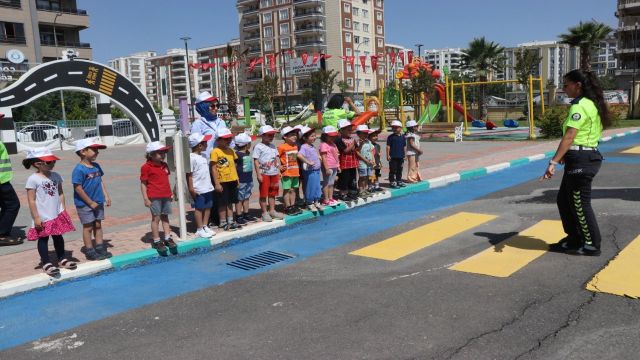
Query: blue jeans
[312, 188]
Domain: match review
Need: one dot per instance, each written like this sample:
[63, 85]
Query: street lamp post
[357, 51]
[186, 63]
[635, 66]
[55, 42]
[286, 86]
[419, 47]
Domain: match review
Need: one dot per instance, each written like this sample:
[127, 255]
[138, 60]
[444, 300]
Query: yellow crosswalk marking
[622, 275]
[511, 255]
[633, 150]
[411, 241]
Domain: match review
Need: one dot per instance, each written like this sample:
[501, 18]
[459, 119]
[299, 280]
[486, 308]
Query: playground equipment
[366, 116]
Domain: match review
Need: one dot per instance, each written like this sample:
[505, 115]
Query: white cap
[363, 128]
[411, 123]
[342, 123]
[224, 133]
[156, 146]
[266, 129]
[396, 123]
[305, 129]
[197, 138]
[286, 130]
[374, 130]
[41, 153]
[88, 143]
[299, 127]
[242, 139]
[330, 130]
[205, 96]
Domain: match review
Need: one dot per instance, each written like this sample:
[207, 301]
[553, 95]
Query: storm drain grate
[259, 260]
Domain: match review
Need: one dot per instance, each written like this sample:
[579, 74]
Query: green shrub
[550, 123]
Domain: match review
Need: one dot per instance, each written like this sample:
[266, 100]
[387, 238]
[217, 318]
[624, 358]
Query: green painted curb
[193, 244]
[409, 189]
[550, 153]
[473, 173]
[307, 215]
[519, 161]
[119, 261]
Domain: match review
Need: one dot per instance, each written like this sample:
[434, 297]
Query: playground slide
[457, 107]
[363, 118]
[305, 113]
[430, 114]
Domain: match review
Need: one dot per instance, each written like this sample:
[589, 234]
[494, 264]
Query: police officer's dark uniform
[581, 163]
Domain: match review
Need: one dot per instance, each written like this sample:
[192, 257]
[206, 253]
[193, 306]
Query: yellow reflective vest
[6, 173]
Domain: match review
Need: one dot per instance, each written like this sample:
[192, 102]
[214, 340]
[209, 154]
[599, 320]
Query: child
[348, 162]
[244, 165]
[377, 167]
[48, 209]
[157, 194]
[413, 152]
[330, 157]
[90, 196]
[225, 178]
[288, 152]
[396, 144]
[199, 183]
[267, 166]
[310, 159]
[364, 151]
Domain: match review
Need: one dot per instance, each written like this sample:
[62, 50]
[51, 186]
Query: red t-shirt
[157, 178]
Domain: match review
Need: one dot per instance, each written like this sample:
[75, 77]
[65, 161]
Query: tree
[322, 82]
[587, 37]
[343, 86]
[266, 91]
[608, 82]
[527, 61]
[234, 57]
[483, 58]
[47, 108]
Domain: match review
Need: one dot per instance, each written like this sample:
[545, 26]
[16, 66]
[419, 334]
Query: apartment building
[166, 80]
[396, 65]
[441, 58]
[289, 29]
[134, 67]
[36, 31]
[628, 50]
[604, 61]
[557, 60]
[213, 77]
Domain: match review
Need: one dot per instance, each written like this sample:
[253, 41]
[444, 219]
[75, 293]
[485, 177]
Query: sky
[122, 27]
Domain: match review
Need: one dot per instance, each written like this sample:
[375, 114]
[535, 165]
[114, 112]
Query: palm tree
[483, 58]
[586, 36]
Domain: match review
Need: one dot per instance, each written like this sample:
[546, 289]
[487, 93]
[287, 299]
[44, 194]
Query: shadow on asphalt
[520, 242]
[549, 196]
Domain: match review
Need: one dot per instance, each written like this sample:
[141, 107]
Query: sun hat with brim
[156, 146]
[343, 123]
[411, 123]
[375, 131]
[286, 130]
[330, 131]
[396, 123]
[42, 153]
[197, 138]
[205, 96]
[89, 143]
[242, 139]
[266, 130]
[224, 133]
[363, 128]
[299, 127]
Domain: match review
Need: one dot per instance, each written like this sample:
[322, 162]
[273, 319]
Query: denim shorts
[365, 171]
[160, 206]
[329, 180]
[203, 201]
[87, 215]
[244, 191]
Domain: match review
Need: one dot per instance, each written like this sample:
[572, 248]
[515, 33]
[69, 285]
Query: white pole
[180, 186]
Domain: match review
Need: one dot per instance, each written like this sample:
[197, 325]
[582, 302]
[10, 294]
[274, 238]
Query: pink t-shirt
[332, 154]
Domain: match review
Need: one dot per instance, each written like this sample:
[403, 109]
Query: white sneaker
[209, 231]
[202, 233]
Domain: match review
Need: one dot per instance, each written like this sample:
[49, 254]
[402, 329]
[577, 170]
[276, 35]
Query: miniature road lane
[333, 300]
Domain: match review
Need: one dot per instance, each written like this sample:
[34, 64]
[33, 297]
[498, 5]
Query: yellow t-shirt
[225, 162]
[584, 117]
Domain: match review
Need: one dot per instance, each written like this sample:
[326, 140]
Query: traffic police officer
[9, 202]
[578, 150]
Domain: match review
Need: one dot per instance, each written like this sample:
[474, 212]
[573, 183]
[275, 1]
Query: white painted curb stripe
[497, 167]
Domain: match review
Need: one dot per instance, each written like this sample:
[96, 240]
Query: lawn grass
[626, 123]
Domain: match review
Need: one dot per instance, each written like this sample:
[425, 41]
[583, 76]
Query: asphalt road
[328, 304]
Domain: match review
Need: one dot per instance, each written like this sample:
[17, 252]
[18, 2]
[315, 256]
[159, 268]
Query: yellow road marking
[511, 255]
[411, 241]
[633, 150]
[622, 275]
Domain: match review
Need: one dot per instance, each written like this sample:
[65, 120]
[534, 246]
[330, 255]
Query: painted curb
[32, 282]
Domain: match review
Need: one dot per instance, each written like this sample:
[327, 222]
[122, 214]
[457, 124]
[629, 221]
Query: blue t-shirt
[244, 165]
[91, 180]
[397, 144]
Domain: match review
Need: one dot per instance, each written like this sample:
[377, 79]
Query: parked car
[120, 128]
[42, 132]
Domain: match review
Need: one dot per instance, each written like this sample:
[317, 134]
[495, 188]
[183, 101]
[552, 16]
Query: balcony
[14, 4]
[302, 3]
[308, 29]
[251, 24]
[253, 51]
[13, 40]
[299, 15]
[252, 37]
[246, 2]
[54, 9]
[69, 19]
[629, 7]
[251, 10]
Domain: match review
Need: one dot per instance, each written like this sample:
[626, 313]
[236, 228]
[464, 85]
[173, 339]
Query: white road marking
[139, 103]
[66, 342]
[153, 133]
[75, 72]
[123, 90]
[149, 117]
[7, 98]
[50, 77]
[30, 87]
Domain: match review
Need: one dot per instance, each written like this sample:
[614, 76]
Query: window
[285, 43]
[379, 3]
[349, 52]
[284, 29]
[380, 43]
[13, 33]
[355, 11]
[349, 68]
[356, 39]
[268, 45]
[347, 37]
[365, 13]
[283, 14]
[267, 18]
[379, 29]
[356, 25]
[347, 7]
[266, 3]
[380, 70]
[52, 5]
[347, 23]
[268, 31]
[379, 15]
[367, 82]
[287, 85]
[350, 81]
[365, 40]
[365, 27]
[281, 2]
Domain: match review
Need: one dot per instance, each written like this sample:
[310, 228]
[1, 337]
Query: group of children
[224, 179]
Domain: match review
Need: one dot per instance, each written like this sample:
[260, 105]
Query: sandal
[50, 270]
[68, 264]
[9, 241]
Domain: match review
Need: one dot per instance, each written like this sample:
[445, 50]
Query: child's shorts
[203, 201]
[329, 180]
[270, 186]
[160, 206]
[365, 172]
[229, 194]
[290, 182]
[87, 215]
[244, 191]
